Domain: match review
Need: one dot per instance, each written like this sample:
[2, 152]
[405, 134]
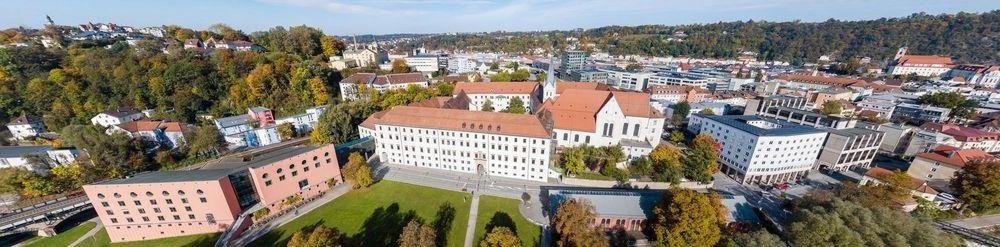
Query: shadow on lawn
[383, 227]
[442, 225]
[501, 219]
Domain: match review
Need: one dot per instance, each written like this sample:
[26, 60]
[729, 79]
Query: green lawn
[496, 211]
[375, 216]
[64, 238]
[101, 240]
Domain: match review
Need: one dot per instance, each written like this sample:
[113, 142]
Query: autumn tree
[286, 131]
[758, 238]
[319, 236]
[977, 184]
[676, 136]
[205, 140]
[331, 46]
[831, 107]
[707, 111]
[416, 234]
[357, 171]
[400, 66]
[574, 225]
[319, 91]
[892, 191]
[516, 106]
[702, 159]
[685, 217]
[667, 164]
[339, 123]
[572, 161]
[500, 237]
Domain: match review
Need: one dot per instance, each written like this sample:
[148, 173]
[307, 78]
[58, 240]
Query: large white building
[499, 94]
[492, 143]
[627, 80]
[25, 126]
[604, 118]
[350, 87]
[116, 116]
[46, 157]
[757, 150]
[982, 75]
[922, 65]
[426, 63]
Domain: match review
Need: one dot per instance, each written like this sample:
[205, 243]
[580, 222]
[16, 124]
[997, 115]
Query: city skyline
[445, 16]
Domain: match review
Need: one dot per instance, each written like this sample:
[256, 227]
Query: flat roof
[740, 122]
[171, 177]
[254, 160]
[853, 131]
[610, 202]
[20, 151]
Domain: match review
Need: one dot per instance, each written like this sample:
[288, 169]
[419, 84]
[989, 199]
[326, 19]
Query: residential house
[941, 163]
[26, 126]
[36, 158]
[169, 134]
[981, 75]
[350, 87]
[116, 116]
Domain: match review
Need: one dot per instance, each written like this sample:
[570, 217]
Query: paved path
[90, 233]
[252, 234]
[978, 222]
[470, 229]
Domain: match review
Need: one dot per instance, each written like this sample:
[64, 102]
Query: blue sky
[437, 16]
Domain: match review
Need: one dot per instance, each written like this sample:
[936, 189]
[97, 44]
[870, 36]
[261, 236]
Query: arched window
[99, 195]
[180, 192]
[200, 192]
[133, 194]
[165, 193]
[149, 193]
[117, 195]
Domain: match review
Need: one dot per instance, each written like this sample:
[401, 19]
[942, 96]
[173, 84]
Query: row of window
[154, 202]
[208, 217]
[397, 132]
[149, 193]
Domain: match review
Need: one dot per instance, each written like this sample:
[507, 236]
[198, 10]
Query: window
[133, 194]
[180, 192]
[295, 173]
[625, 129]
[149, 193]
[99, 195]
[267, 183]
[156, 210]
[186, 208]
[191, 216]
[142, 211]
[177, 217]
[105, 204]
[184, 200]
[304, 183]
[113, 220]
[166, 193]
[109, 212]
[169, 201]
[160, 218]
[173, 209]
[121, 203]
[137, 203]
[152, 201]
[263, 175]
[203, 200]
[200, 192]
[145, 219]
[281, 178]
[117, 195]
[279, 171]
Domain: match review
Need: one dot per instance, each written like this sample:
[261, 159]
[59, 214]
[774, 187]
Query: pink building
[165, 204]
[305, 171]
[263, 116]
[174, 203]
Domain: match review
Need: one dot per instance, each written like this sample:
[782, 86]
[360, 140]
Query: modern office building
[626, 79]
[920, 113]
[496, 144]
[849, 148]
[572, 61]
[806, 117]
[758, 150]
[676, 78]
[896, 137]
[163, 204]
[759, 104]
[882, 104]
[427, 63]
[676, 94]
[589, 75]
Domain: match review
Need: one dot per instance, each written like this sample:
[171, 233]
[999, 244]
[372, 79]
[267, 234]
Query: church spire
[549, 88]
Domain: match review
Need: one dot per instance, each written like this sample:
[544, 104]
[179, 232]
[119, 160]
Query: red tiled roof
[954, 156]
[924, 60]
[497, 87]
[461, 120]
[961, 133]
[563, 86]
[150, 125]
[827, 80]
[576, 109]
[404, 78]
[359, 78]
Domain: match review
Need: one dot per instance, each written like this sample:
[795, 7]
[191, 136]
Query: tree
[633, 66]
[357, 171]
[500, 237]
[977, 184]
[834, 222]
[339, 123]
[758, 238]
[685, 217]
[320, 92]
[831, 107]
[892, 191]
[707, 111]
[205, 139]
[682, 109]
[487, 106]
[516, 105]
[641, 166]
[572, 161]
[574, 225]
[676, 136]
[611, 171]
[320, 236]
[959, 105]
[400, 66]
[850, 67]
[702, 159]
[667, 164]
[331, 46]
[417, 235]
[286, 131]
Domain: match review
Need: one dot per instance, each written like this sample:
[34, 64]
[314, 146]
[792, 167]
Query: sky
[444, 16]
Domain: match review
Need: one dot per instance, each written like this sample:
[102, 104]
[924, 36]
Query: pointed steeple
[549, 88]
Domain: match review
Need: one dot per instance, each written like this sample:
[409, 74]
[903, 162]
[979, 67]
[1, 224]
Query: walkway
[978, 222]
[470, 230]
[258, 231]
[89, 234]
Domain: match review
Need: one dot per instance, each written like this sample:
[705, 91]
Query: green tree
[487, 106]
[331, 46]
[977, 184]
[758, 238]
[702, 159]
[685, 217]
[850, 67]
[319, 236]
[500, 237]
[667, 164]
[573, 225]
[417, 235]
[682, 109]
[516, 105]
[572, 161]
[641, 166]
[205, 140]
[357, 171]
[833, 222]
[676, 136]
[400, 66]
[831, 107]
[618, 174]
[339, 123]
[959, 105]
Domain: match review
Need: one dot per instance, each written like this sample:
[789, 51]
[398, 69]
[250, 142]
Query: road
[978, 222]
[39, 210]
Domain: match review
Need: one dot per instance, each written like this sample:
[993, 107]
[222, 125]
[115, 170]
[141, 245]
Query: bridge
[42, 215]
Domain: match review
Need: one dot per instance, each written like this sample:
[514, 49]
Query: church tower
[899, 54]
[549, 88]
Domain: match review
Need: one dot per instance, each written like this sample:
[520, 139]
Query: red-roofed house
[922, 65]
[966, 137]
[604, 118]
[943, 161]
[380, 83]
[982, 75]
[166, 133]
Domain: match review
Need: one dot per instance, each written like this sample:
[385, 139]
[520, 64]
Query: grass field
[64, 238]
[101, 240]
[496, 211]
[375, 216]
